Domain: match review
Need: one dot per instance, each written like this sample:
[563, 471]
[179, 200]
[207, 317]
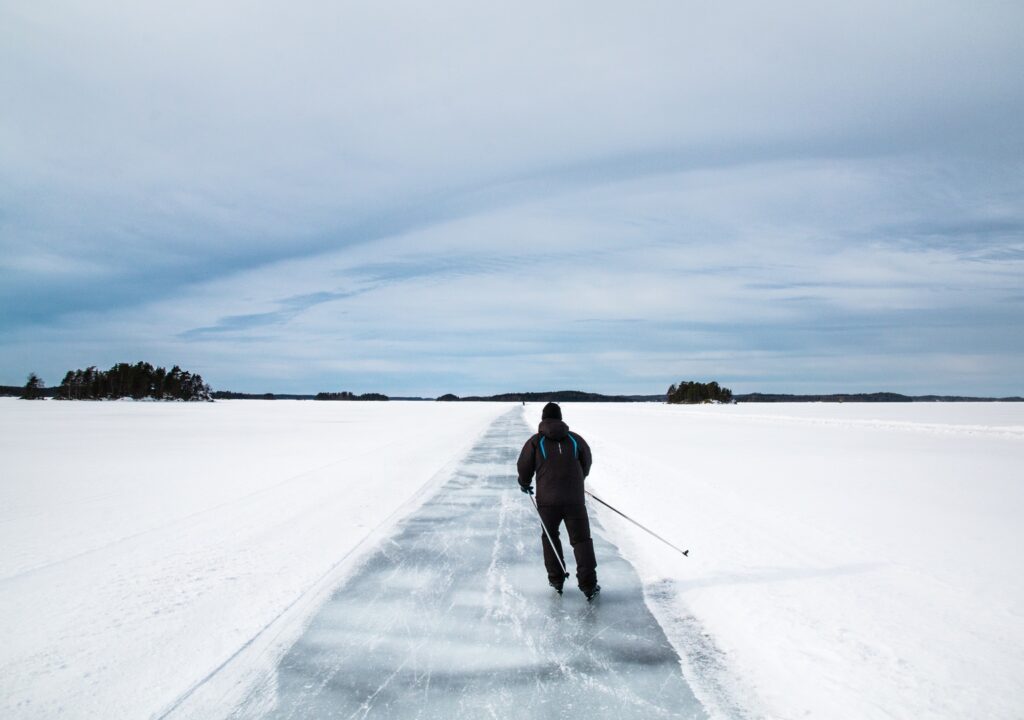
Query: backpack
[559, 473]
[575, 447]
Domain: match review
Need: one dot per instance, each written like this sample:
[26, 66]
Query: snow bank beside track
[847, 561]
[146, 543]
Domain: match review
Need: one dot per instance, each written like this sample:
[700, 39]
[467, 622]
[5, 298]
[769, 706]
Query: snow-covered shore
[146, 543]
[847, 561]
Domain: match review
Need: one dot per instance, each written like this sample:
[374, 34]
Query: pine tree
[33, 388]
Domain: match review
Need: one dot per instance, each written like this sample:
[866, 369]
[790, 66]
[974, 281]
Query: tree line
[689, 392]
[345, 395]
[555, 396]
[138, 381]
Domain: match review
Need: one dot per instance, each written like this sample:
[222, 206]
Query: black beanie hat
[551, 412]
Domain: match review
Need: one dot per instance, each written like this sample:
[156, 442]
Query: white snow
[144, 544]
[847, 560]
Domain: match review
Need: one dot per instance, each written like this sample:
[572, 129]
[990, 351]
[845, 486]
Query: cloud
[470, 196]
[288, 308]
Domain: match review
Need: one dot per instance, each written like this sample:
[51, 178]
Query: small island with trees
[140, 381]
[692, 393]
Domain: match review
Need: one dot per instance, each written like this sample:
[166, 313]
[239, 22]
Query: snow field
[847, 561]
[144, 544]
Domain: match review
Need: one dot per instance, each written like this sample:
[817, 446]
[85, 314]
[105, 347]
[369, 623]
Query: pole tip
[686, 553]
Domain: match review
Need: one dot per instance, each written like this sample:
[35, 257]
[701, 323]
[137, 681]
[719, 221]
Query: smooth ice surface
[452, 618]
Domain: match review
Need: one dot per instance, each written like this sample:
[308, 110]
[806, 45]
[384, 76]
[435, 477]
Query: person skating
[561, 461]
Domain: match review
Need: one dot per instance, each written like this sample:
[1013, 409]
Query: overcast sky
[419, 198]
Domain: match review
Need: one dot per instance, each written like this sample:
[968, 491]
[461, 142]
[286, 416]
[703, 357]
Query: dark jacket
[561, 462]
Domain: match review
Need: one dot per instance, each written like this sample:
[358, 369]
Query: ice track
[452, 618]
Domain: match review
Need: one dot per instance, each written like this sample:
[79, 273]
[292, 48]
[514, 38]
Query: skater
[561, 461]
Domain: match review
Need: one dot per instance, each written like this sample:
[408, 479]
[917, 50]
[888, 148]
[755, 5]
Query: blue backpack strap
[575, 446]
[543, 452]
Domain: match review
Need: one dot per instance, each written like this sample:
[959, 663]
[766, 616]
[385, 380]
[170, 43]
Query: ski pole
[684, 552]
[550, 541]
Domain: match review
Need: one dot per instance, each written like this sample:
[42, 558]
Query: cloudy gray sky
[419, 198]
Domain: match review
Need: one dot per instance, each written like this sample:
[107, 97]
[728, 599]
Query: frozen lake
[857, 562]
[452, 618]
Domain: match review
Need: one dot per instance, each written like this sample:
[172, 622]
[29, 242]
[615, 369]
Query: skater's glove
[528, 489]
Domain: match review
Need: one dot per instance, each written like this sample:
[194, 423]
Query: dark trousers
[577, 525]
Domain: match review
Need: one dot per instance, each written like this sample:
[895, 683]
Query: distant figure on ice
[561, 460]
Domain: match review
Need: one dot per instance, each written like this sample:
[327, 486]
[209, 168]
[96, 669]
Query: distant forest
[878, 397]
[555, 396]
[345, 395]
[229, 395]
[139, 381]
